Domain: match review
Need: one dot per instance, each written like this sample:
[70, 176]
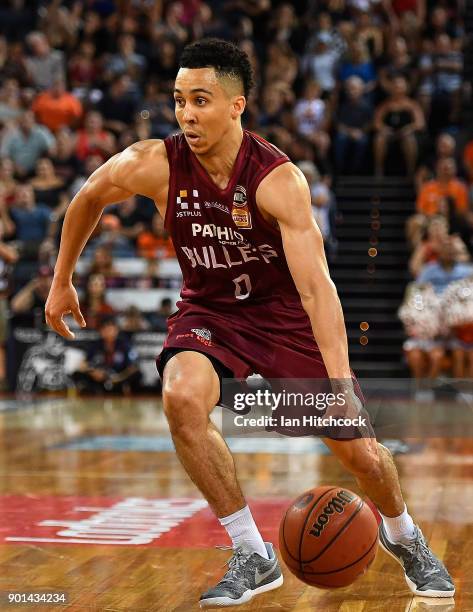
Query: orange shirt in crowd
[468, 158]
[151, 247]
[431, 194]
[56, 111]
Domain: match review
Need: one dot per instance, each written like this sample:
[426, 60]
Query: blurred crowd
[342, 86]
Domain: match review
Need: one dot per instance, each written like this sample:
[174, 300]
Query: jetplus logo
[188, 205]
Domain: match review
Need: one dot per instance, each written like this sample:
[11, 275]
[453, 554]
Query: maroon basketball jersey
[227, 251]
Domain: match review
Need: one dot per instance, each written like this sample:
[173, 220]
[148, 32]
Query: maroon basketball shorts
[276, 342]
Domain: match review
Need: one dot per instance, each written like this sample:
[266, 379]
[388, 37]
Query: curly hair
[225, 57]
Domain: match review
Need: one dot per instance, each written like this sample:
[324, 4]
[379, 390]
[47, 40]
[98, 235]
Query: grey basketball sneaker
[425, 574]
[248, 575]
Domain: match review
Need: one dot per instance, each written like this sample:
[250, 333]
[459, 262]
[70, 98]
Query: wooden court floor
[95, 504]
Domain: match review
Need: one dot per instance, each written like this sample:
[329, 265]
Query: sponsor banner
[133, 521]
[40, 360]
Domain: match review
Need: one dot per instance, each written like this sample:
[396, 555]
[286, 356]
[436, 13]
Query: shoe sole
[412, 586]
[222, 602]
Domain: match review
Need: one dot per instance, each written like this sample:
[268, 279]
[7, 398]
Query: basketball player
[256, 297]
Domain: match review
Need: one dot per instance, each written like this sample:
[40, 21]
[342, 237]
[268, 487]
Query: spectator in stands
[448, 69]
[102, 263]
[15, 66]
[425, 356]
[45, 65]
[8, 227]
[399, 119]
[8, 257]
[83, 68]
[323, 206]
[428, 250]
[468, 162]
[320, 64]
[126, 60]
[441, 22]
[353, 125]
[27, 305]
[10, 101]
[60, 23]
[325, 25]
[156, 106]
[25, 144]
[160, 317]
[133, 218]
[49, 189]
[94, 32]
[133, 321]
[64, 159]
[172, 27]
[358, 63]
[282, 64]
[433, 194]
[93, 139]
[425, 70]
[56, 108]
[446, 269]
[155, 243]
[398, 62]
[110, 365]
[94, 305]
[207, 25]
[8, 184]
[444, 148]
[90, 165]
[165, 64]
[118, 104]
[112, 238]
[370, 34]
[399, 11]
[272, 105]
[283, 23]
[311, 115]
[32, 222]
[47, 253]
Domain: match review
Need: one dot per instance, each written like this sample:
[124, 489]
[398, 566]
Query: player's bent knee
[185, 409]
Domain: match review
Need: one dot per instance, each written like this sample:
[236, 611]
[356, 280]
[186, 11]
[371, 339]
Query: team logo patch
[240, 214]
[239, 197]
[187, 204]
[242, 217]
[203, 335]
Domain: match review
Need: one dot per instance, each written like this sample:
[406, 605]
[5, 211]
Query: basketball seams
[345, 566]
[297, 523]
[337, 535]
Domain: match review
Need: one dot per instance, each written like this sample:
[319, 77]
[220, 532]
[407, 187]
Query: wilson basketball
[328, 537]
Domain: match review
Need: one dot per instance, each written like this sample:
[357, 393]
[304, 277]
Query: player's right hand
[63, 300]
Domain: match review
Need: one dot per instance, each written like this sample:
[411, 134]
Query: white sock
[399, 528]
[242, 529]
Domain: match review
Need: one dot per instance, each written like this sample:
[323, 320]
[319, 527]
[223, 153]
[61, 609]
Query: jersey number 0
[242, 286]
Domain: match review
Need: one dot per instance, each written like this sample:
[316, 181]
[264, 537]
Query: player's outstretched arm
[141, 168]
[284, 194]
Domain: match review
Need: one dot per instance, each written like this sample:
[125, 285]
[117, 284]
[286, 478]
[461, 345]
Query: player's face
[205, 109]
